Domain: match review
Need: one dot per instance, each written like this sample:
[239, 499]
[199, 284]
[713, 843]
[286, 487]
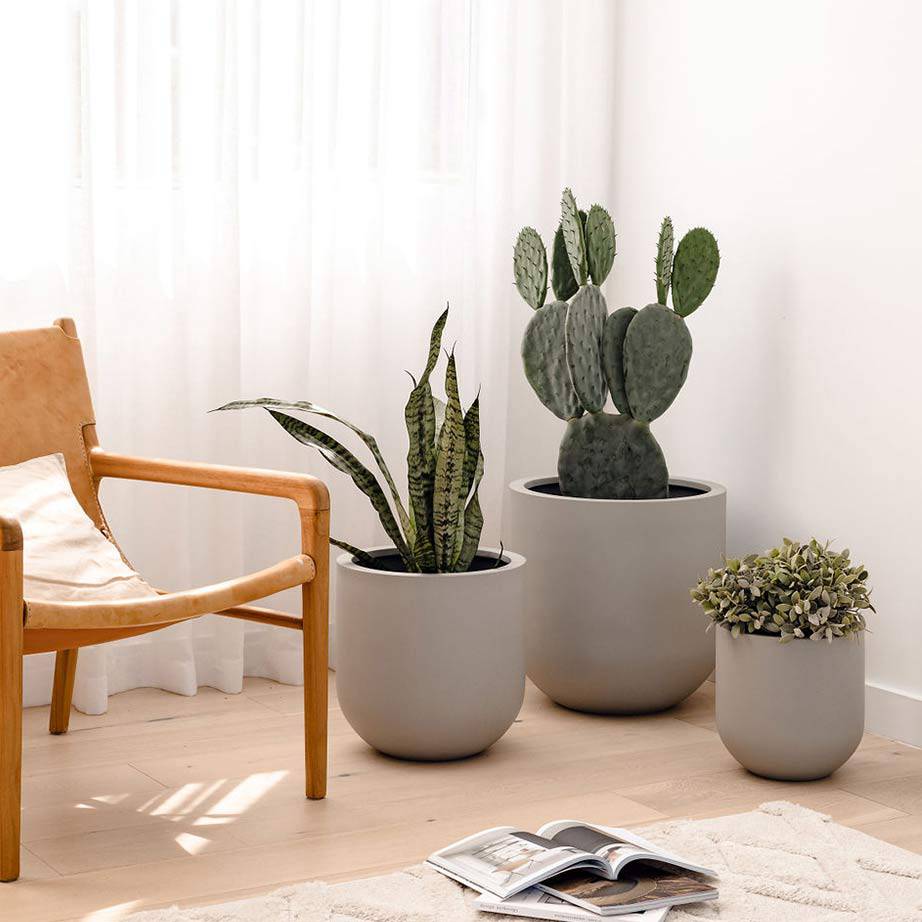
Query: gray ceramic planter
[610, 626]
[791, 711]
[430, 667]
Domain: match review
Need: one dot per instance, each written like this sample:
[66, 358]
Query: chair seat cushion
[66, 558]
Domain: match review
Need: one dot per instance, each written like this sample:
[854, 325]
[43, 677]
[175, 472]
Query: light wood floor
[192, 800]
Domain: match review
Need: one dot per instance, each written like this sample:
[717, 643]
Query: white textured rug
[780, 863]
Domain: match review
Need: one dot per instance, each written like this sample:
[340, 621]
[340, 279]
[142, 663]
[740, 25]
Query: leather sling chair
[45, 408]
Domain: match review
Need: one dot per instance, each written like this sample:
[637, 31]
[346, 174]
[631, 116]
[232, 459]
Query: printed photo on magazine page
[643, 887]
[618, 847]
[504, 861]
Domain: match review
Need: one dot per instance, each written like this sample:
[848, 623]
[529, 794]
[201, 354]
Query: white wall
[792, 130]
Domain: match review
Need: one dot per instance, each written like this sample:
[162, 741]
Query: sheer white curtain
[277, 197]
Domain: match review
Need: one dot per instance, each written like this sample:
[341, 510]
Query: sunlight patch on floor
[192, 844]
[112, 913]
[247, 793]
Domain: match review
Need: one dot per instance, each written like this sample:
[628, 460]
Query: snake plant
[438, 530]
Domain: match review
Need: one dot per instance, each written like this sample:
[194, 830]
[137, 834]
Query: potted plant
[790, 660]
[613, 542]
[428, 629]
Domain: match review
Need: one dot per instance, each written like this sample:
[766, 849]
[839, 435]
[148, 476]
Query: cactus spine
[575, 353]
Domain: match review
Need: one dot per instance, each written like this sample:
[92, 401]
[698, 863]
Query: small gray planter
[430, 667]
[610, 625]
[791, 711]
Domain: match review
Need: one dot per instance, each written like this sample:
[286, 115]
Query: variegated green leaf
[439, 406]
[448, 503]
[473, 460]
[473, 524]
[471, 446]
[420, 416]
[343, 459]
[362, 557]
[369, 440]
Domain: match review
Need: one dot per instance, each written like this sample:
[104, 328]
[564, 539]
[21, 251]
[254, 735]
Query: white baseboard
[893, 714]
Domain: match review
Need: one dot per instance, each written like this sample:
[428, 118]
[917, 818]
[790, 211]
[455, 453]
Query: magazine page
[536, 904]
[504, 860]
[646, 887]
[616, 846]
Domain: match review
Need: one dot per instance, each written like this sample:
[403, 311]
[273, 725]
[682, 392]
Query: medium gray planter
[430, 667]
[791, 711]
[610, 625]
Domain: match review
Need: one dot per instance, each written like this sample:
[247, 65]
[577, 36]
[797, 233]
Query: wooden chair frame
[34, 627]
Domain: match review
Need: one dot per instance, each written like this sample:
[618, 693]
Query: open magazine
[604, 870]
[536, 904]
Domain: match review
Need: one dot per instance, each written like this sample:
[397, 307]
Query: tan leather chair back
[45, 404]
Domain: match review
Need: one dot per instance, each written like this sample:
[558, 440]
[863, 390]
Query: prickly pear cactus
[584, 326]
[664, 256]
[574, 236]
[545, 359]
[575, 353]
[604, 456]
[531, 267]
[657, 350]
[616, 325]
[600, 243]
[694, 270]
[562, 277]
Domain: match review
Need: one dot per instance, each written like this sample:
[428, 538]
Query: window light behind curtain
[277, 197]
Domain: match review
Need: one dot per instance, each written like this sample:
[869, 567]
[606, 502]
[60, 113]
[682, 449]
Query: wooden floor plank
[192, 800]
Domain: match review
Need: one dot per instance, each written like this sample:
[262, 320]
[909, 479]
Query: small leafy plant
[438, 531]
[793, 591]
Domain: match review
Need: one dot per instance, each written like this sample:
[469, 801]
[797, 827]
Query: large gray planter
[430, 667]
[791, 711]
[610, 625]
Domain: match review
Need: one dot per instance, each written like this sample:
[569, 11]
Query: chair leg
[315, 541]
[65, 669]
[11, 622]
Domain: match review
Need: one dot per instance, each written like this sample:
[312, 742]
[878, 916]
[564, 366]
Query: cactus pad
[544, 357]
[664, 260]
[584, 328]
[603, 456]
[574, 236]
[563, 280]
[600, 243]
[657, 350]
[694, 270]
[530, 263]
[613, 355]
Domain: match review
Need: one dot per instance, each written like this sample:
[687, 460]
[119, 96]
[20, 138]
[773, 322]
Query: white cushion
[66, 558]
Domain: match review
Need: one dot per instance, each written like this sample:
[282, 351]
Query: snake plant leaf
[448, 502]
[343, 459]
[370, 441]
[574, 236]
[471, 446]
[473, 524]
[362, 557]
[439, 407]
[422, 424]
[469, 527]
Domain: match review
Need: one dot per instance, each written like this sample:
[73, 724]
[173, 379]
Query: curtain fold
[245, 198]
